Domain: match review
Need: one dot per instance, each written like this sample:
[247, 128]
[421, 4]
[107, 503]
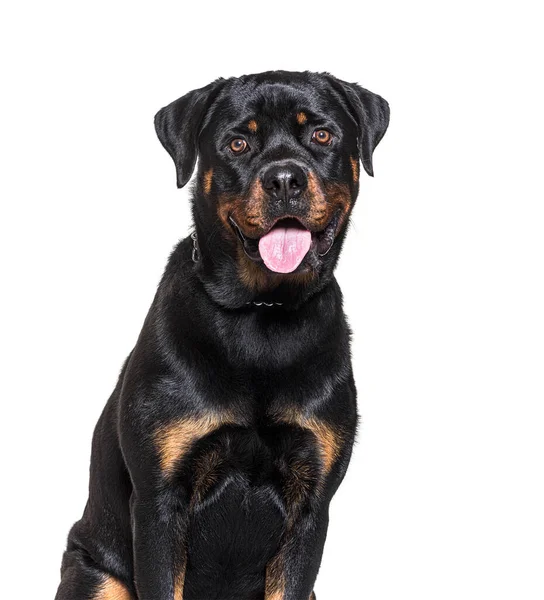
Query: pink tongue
[283, 248]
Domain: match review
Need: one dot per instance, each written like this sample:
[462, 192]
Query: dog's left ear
[372, 114]
[178, 127]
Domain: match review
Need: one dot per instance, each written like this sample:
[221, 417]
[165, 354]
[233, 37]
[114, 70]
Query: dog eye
[238, 145]
[322, 136]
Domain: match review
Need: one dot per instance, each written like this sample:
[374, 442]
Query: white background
[442, 274]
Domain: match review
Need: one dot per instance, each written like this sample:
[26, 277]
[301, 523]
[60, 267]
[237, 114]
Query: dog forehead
[275, 96]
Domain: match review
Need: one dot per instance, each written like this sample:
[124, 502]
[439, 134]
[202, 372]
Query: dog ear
[178, 127]
[372, 114]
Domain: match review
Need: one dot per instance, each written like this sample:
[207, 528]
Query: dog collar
[196, 250]
[265, 303]
[196, 255]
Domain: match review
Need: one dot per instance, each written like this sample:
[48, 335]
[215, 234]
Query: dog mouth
[283, 248]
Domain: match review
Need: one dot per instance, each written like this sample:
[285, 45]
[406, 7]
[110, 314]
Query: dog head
[278, 173]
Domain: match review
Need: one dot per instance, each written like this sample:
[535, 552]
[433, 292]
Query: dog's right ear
[178, 127]
[371, 112]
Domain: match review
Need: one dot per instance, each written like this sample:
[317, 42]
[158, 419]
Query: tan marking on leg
[208, 178]
[312, 596]
[301, 118]
[275, 579]
[175, 439]
[252, 125]
[355, 168]
[180, 581]
[112, 589]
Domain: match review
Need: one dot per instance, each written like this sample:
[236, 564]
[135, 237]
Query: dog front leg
[291, 574]
[159, 507]
[159, 533]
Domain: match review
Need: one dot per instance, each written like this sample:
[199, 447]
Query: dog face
[279, 160]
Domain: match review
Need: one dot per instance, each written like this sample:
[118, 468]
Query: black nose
[285, 182]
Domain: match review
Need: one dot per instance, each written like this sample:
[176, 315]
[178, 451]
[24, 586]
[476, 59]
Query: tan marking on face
[247, 211]
[252, 125]
[251, 275]
[254, 209]
[175, 439]
[301, 118]
[319, 213]
[179, 581]
[339, 199]
[355, 168]
[256, 279]
[112, 589]
[208, 178]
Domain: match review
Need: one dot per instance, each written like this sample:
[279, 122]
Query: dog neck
[223, 284]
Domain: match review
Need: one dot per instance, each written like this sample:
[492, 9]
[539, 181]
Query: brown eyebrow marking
[252, 125]
[208, 177]
[112, 589]
[175, 439]
[301, 118]
[354, 168]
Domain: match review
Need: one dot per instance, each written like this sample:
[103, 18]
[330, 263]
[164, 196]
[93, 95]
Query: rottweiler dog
[232, 423]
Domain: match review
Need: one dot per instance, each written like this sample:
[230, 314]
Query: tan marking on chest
[329, 439]
[252, 125]
[112, 589]
[205, 475]
[175, 439]
[208, 178]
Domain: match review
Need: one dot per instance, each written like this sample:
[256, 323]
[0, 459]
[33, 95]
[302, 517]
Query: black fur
[256, 486]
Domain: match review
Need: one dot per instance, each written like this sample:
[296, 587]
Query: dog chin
[288, 246]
